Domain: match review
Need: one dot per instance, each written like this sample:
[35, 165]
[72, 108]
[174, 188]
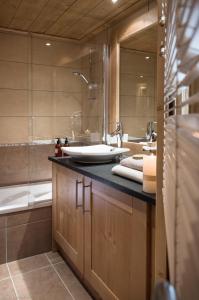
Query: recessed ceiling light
[48, 44]
[147, 57]
[114, 1]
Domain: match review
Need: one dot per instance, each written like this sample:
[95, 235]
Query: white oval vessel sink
[94, 154]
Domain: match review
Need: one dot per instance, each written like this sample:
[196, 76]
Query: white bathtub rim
[30, 203]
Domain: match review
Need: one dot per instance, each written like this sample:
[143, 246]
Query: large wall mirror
[137, 102]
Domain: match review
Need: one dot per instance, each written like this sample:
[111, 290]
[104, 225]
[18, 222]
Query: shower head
[91, 85]
[81, 75]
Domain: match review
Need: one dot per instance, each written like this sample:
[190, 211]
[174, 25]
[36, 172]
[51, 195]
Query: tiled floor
[41, 277]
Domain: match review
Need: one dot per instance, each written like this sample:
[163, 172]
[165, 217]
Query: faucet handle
[118, 125]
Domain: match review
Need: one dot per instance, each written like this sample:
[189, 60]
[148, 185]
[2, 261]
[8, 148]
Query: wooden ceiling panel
[49, 15]
[26, 13]
[106, 8]
[79, 29]
[145, 41]
[7, 11]
[76, 19]
[72, 16]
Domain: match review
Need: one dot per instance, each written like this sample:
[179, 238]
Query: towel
[128, 173]
[132, 163]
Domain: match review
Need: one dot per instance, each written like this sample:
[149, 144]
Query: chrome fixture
[91, 85]
[151, 135]
[164, 291]
[119, 133]
[81, 75]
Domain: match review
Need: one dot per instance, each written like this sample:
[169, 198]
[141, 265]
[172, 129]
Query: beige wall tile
[135, 126]
[30, 216]
[66, 104]
[137, 106]
[51, 127]
[135, 62]
[2, 221]
[13, 47]
[39, 166]
[28, 240]
[14, 103]
[14, 129]
[55, 103]
[62, 127]
[43, 103]
[13, 75]
[43, 127]
[66, 81]
[91, 123]
[12, 160]
[60, 53]
[55, 79]
[43, 78]
[91, 108]
[2, 246]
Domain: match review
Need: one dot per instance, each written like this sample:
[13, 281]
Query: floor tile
[71, 281]
[28, 264]
[54, 257]
[7, 290]
[3, 272]
[43, 284]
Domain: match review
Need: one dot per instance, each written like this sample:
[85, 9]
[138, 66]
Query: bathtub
[27, 196]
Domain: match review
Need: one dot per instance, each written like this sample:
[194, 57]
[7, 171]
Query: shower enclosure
[45, 101]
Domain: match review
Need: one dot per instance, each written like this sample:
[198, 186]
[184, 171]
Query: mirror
[138, 84]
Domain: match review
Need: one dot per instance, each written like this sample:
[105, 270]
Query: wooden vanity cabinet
[68, 229]
[113, 229]
[115, 243]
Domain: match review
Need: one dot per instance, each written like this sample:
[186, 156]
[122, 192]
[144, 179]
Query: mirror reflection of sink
[94, 154]
[137, 139]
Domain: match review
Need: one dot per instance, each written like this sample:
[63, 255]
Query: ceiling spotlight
[147, 57]
[114, 1]
[48, 44]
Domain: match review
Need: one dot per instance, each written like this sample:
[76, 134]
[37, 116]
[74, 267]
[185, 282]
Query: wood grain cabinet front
[105, 233]
[68, 227]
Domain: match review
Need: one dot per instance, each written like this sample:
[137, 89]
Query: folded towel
[132, 163]
[128, 173]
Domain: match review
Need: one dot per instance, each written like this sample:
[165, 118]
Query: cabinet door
[67, 213]
[115, 244]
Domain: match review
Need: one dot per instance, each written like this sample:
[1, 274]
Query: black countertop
[102, 173]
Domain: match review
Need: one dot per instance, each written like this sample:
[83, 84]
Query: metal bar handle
[84, 187]
[76, 194]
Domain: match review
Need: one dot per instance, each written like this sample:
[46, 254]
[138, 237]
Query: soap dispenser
[66, 144]
[58, 151]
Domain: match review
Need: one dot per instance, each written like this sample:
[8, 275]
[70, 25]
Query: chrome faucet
[119, 133]
[151, 135]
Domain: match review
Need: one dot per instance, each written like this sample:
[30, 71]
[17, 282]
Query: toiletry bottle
[66, 144]
[58, 151]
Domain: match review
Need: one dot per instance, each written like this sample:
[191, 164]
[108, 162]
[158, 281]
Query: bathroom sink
[94, 154]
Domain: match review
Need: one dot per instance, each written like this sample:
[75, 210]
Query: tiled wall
[93, 100]
[38, 92]
[137, 91]
[25, 233]
[38, 96]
